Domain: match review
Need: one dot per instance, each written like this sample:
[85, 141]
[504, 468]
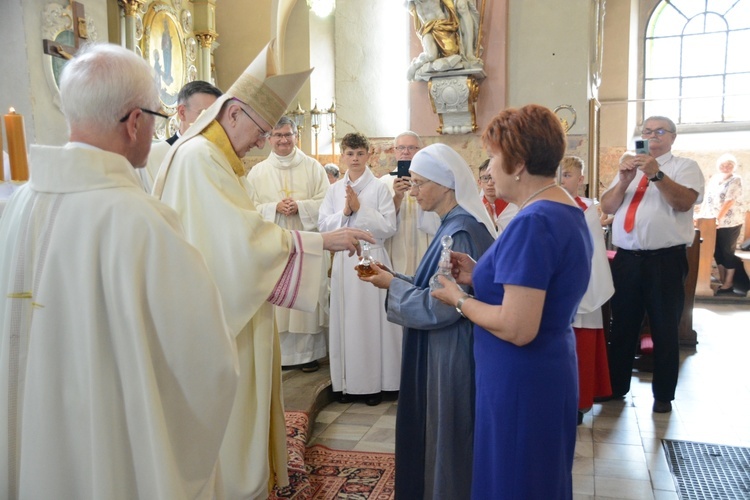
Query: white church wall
[371, 60]
[15, 86]
[23, 81]
[548, 55]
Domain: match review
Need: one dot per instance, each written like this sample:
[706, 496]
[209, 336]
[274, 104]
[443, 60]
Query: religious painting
[163, 47]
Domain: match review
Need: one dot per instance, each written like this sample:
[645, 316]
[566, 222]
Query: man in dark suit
[193, 98]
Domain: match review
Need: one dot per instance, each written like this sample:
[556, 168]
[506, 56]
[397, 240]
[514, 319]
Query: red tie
[637, 197]
[581, 203]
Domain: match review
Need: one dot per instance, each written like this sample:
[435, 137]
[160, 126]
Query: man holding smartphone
[652, 199]
[415, 226]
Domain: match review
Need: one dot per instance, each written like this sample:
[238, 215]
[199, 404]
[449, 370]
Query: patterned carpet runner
[320, 473]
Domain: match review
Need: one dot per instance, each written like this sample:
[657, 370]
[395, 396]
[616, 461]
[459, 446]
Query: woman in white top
[722, 202]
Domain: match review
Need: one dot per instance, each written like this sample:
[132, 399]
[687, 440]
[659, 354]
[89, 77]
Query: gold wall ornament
[206, 38]
[131, 7]
[566, 109]
[453, 99]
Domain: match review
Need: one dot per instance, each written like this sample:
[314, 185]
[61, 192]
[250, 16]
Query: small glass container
[444, 266]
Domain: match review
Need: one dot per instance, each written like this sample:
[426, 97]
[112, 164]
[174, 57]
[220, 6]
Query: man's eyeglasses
[148, 111]
[485, 178]
[288, 135]
[263, 133]
[418, 185]
[411, 149]
[659, 131]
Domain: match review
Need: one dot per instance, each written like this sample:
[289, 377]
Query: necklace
[535, 194]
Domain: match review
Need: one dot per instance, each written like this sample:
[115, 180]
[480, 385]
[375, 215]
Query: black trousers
[726, 244]
[653, 282]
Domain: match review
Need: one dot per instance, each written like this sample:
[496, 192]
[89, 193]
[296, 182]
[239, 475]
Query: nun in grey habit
[435, 416]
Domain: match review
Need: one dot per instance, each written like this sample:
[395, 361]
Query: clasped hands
[351, 202]
[287, 206]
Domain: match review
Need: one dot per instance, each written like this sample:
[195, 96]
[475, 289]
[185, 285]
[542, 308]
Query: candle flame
[12, 110]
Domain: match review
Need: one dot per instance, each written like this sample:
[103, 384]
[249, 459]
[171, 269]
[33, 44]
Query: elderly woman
[723, 194]
[332, 171]
[528, 286]
[435, 419]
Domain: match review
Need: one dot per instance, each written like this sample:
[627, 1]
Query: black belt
[651, 253]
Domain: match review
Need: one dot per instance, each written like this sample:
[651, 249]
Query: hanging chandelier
[321, 8]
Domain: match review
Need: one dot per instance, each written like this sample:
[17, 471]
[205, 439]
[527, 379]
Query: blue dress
[435, 416]
[527, 397]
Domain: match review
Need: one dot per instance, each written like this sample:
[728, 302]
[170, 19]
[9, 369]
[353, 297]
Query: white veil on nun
[443, 165]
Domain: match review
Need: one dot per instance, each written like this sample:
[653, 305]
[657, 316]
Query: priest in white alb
[256, 264]
[287, 189]
[416, 228]
[118, 369]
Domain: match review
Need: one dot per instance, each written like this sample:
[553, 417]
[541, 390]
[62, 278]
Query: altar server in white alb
[416, 228]
[288, 188]
[118, 369]
[256, 264]
[365, 348]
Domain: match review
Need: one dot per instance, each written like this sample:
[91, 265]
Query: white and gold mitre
[262, 88]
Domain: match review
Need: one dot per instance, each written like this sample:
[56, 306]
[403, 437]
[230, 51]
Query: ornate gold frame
[163, 46]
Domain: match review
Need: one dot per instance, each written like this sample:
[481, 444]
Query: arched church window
[697, 61]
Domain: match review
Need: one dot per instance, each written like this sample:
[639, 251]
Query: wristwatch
[460, 303]
[659, 175]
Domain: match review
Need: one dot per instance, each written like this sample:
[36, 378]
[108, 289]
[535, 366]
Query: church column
[206, 40]
[204, 13]
[131, 10]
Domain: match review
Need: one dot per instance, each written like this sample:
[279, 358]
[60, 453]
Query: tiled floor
[619, 453]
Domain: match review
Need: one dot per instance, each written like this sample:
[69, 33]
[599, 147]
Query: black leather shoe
[310, 367]
[374, 399]
[344, 398]
[662, 406]
[603, 399]
[724, 291]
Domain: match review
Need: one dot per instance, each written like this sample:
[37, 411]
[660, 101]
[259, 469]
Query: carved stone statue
[448, 30]
[468, 20]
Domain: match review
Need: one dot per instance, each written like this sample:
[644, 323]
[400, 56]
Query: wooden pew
[707, 229]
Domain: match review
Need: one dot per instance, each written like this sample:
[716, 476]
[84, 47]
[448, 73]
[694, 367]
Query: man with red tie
[652, 199]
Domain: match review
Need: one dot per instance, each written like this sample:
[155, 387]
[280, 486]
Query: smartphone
[641, 146]
[402, 170]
